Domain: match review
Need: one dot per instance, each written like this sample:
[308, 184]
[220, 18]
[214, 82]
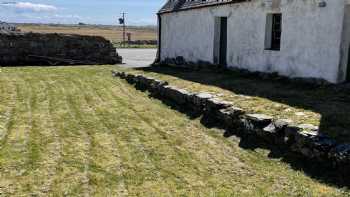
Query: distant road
[137, 57]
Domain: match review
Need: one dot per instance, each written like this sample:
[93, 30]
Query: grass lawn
[325, 107]
[76, 131]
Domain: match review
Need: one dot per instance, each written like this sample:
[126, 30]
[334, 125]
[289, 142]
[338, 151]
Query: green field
[111, 33]
[76, 131]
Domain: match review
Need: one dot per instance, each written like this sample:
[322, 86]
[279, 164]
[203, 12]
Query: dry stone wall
[38, 49]
[304, 140]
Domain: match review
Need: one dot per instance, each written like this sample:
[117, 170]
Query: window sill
[272, 49]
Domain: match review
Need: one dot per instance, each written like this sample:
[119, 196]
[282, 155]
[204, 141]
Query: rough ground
[76, 131]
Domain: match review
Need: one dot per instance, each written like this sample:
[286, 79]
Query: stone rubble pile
[301, 139]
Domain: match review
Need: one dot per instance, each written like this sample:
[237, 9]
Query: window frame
[274, 29]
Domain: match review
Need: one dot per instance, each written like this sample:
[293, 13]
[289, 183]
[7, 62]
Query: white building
[296, 38]
[6, 27]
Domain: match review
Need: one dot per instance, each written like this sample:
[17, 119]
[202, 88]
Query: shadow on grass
[330, 102]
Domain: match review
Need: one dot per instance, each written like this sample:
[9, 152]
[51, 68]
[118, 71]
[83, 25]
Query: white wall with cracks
[314, 43]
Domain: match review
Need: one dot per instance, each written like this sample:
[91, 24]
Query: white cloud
[31, 7]
[142, 21]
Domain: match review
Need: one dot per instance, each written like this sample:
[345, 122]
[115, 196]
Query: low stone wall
[301, 139]
[38, 49]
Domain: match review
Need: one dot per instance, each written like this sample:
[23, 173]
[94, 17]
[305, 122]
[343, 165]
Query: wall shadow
[332, 102]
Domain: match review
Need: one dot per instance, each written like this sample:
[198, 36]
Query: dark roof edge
[202, 6]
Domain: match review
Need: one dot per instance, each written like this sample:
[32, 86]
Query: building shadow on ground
[331, 102]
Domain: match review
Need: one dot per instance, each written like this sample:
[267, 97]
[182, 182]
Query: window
[273, 32]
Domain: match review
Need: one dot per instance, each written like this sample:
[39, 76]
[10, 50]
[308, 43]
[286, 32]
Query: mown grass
[326, 107]
[74, 131]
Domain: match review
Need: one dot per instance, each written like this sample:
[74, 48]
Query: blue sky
[139, 12]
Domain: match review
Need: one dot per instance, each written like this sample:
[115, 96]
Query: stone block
[156, 85]
[255, 123]
[291, 131]
[130, 78]
[122, 75]
[259, 120]
[215, 104]
[311, 144]
[199, 100]
[275, 132]
[340, 154]
[179, 96]
[229, 116]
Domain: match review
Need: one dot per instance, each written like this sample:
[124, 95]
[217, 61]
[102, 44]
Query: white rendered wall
[343, 68]
[310, 45]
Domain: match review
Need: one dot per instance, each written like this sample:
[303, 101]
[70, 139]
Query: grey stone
[200, 99]
[275, 132]
[204, 95]
[259, 120]
[122, 75]
[115, 74]
[282, 123]
[187, 95]
[215, 104]
[156, 86]
[180, 96]
[308, 127]
[145, 81]
[340, 157]
[229, 116]
[276, 127]
[130, 78]
[291, 131]
[313, 145]
[165, 90]
[271, 128]
[341, 154]
[254, 123]
[269, 133]
[232, 111]
[183, 96]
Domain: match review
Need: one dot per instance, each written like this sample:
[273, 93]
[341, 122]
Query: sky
[107, 12]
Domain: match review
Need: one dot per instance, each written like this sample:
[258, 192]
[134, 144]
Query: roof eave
[202, 6]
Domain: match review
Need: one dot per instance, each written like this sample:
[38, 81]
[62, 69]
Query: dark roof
[181, 5]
